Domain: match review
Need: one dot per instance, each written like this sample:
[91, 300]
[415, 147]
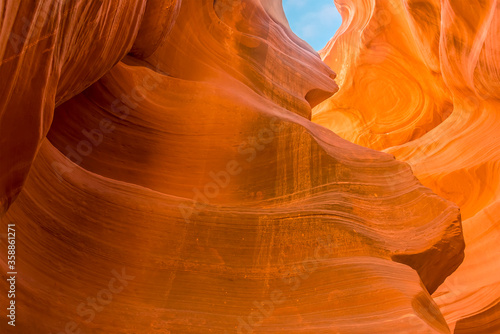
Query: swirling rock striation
[421, 80]
[186, 190]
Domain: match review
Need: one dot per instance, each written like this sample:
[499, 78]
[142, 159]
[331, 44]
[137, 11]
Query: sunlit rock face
[421, 80]
[177, 184]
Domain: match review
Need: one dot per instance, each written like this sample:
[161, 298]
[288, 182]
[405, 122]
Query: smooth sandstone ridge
[160, 163]
[421, 80]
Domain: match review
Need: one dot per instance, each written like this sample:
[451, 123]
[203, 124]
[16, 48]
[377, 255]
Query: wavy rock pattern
[424, 85]
[186, 190]
[52, 55]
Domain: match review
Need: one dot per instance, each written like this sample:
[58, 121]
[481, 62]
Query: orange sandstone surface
[164, 167]
[421, 80]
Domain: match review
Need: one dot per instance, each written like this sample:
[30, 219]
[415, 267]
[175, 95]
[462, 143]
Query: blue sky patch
[315, 21]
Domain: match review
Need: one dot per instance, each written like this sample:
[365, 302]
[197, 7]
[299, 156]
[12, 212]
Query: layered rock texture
[160, 163]
[421, 80]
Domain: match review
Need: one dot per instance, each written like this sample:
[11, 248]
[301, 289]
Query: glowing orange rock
[421, 80]
[188, 191]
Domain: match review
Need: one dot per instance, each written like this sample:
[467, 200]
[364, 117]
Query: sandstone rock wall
[161, 166]
[421, 80]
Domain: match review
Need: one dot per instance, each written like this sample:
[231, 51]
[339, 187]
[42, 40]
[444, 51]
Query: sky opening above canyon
[315, 21]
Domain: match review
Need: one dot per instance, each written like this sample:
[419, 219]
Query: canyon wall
[421, 80]
[160, 163]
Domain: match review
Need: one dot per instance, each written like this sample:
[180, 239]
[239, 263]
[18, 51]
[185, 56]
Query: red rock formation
[421, 79]
[51, 51]
[187, 190]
